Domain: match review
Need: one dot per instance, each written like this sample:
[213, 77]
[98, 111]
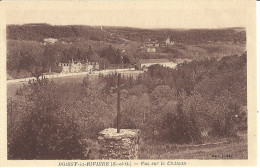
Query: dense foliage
[38, 32]
[27, 58]
[200, 99]
[42, 134]
[182, 101]
[26, 49]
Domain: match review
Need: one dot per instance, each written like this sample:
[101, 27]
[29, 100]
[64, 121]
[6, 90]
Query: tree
[103, 63]
[223, 111]
[78, 54]
[51, 56]
[42, 134]
[92, 55]
[71, 53]
[160, 96]
[112, 55]
[36, 64]
[91, 110]
[179, 127]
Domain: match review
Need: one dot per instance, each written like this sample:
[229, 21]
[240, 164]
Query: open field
[236, 149]
[74, 78]
[217, 50]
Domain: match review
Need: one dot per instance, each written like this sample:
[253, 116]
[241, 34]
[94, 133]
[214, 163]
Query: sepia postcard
[128, 83]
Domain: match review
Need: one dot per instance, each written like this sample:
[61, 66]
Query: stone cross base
[123, 145]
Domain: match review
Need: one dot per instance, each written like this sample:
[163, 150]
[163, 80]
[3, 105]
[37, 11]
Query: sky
[144, 14]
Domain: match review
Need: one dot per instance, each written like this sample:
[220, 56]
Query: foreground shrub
[42, 134]
[181, 128]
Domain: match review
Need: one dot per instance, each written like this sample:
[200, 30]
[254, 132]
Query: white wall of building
[166, 64]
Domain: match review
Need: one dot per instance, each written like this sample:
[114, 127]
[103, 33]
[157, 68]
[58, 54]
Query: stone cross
[117, 89]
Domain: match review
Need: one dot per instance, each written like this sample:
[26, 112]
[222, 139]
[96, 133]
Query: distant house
[169, 41]
[151, 49]
[145, 63]
[181, 60]
[50, 40]
[150, 43]
[157, 45]
[150, 46]
[77, 66]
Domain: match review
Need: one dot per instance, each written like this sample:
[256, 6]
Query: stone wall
[123, 145]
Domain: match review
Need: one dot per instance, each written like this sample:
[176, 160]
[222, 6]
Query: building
[50, 40]
[157, 45]
[145, 63]
[151, 49]
[150, 46]
[65, 67]
[77, 67]
[169, 41]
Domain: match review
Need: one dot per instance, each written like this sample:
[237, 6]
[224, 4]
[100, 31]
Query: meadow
[222, 149]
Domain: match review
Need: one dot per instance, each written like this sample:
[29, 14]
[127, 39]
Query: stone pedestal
[123, 145]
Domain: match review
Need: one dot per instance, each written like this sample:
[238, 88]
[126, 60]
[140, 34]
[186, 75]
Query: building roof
[50, 39]
[143, 61]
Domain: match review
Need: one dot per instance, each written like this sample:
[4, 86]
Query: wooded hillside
[38, 32]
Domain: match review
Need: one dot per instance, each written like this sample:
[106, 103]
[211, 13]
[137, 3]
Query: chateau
[78, 66]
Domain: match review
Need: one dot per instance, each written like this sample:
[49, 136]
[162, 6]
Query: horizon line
[158, 28]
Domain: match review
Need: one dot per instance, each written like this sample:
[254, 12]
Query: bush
[45, 137]
[91, 149]
[42, 134]
[223, 119]
[181, 128]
